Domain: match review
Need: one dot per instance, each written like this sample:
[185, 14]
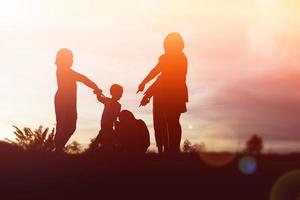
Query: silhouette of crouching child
[107, 137]
[132, 134]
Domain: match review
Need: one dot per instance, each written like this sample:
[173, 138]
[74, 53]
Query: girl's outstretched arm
[85, 80]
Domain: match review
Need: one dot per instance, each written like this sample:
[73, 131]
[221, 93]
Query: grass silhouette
[45, 175]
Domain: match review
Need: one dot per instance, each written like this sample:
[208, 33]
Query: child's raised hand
[100, 97]
[98, 92]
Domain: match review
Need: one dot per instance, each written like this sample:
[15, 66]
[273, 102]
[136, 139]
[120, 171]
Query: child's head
[173, 43]
[116, 91]
[126, 116]
[64, 58]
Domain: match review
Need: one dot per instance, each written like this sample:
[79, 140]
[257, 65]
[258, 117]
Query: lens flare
[221, 144]
[287, 186]
[247, 165]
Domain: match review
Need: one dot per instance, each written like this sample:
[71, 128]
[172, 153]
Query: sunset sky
[244, 64]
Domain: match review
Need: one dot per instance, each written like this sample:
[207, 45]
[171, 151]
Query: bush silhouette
[74, 148]
[41, 140]
[254, 145]
[188, 147]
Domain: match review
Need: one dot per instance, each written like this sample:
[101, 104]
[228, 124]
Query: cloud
[266, 103]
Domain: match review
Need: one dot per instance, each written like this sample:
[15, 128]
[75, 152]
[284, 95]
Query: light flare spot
[247, 165]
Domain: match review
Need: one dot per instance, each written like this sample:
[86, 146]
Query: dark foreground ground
[98, 176]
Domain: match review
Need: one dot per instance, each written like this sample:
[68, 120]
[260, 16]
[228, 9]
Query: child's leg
[107, 138]
[96, 141]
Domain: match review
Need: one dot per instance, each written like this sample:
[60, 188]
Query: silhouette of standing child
[66, 97]
[169, 92]
[112, 108]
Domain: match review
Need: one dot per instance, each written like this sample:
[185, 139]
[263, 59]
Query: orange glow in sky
[244, 63]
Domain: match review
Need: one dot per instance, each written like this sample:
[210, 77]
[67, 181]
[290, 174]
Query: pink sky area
[244, 64]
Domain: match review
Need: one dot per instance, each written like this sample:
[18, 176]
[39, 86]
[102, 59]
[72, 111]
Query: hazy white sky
[243, 63]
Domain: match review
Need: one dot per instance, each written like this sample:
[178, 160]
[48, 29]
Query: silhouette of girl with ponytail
[66, 97]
